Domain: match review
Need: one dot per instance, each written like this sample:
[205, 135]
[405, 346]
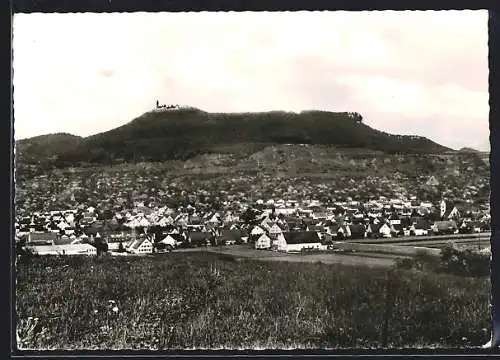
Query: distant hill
[469, 150]
[182, 134]
[45, 148]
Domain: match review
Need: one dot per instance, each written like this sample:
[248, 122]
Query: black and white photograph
[251, 180]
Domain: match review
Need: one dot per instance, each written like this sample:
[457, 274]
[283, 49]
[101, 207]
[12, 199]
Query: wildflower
[464, 338]
[115, 309]
[96, 311]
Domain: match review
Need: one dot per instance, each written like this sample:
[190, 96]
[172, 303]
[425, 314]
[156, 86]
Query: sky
[416, 73]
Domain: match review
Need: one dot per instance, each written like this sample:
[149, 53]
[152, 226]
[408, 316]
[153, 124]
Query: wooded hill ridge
[181, 134]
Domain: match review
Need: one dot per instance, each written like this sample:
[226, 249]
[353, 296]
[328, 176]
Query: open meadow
[245, 251]
[208, 300]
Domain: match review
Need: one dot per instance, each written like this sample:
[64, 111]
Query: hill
[182, 134]
[469, 150]
[45, 148]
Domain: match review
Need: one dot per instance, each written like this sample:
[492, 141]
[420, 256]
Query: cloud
[86, 73]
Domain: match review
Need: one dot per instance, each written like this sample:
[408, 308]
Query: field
[327, 257]
[480, 240]
[209, 300]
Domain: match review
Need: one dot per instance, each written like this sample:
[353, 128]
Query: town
[68, 213]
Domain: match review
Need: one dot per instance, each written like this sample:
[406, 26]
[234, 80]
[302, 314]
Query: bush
[23, 254]
[421, 261]
[455, 261]
[464, 262]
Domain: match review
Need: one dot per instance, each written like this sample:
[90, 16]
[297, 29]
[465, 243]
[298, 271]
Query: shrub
[464, 262]
[461, 262]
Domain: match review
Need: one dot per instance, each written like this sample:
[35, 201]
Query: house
[62, 225]
[140, 245]
[326, 239]
[174, 240]
[465, 228]
[307, 222]
[70, 218]
[444, 227]
[274, 231]
[358, 231]
[432, 181]
[229, 237]
[379, 229]
[263, 242]
[195, 219]
[423, 211]
[41, 238]
[397, 229]
[52, 227]
[87, 220]
[215, 219]
[266, 224]
[210, 227]
[296, 241]
[63, 240]
[420, 227]
[292, 221]
[373, 229]
[252, 239]
[476, 226]
[200, 238]
[166, 221]
[486, 225]
[448, 211]
[394, 219]
[406, 222]
[317, 228]
[67, 249]
[69, 231]
[117, 241]
[257, 230]
[338, 231]
[454, 213]
[168, 243]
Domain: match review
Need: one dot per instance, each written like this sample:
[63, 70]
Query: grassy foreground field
[208, 300]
